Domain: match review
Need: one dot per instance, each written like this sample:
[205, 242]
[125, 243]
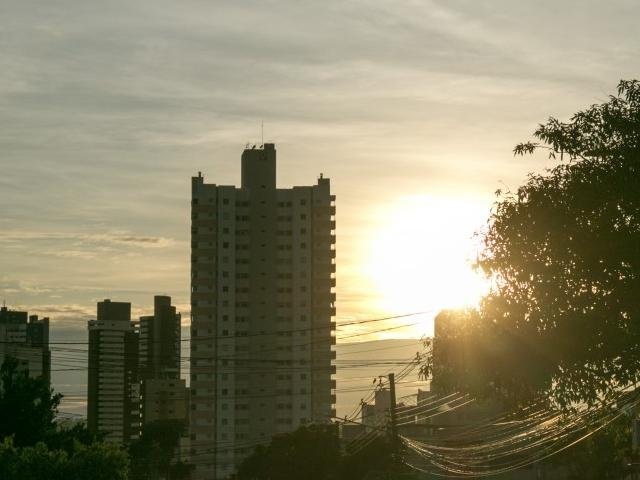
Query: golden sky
[410, 107]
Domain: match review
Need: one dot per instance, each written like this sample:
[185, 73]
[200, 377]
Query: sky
[412, 108]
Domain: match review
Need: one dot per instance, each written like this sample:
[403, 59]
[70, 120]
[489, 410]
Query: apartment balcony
[199, 269]
[324, 284]
[203, 236]
[204, 296]
[321, 240]
[208, 251]
[324, 210]
[323, 270]
[203, 281]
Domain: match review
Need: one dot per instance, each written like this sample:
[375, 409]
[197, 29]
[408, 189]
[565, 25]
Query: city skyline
[98, 123]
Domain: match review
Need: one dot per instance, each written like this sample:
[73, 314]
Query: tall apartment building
[262, 272]
[113, 403]
[26, 338]
[163, 393]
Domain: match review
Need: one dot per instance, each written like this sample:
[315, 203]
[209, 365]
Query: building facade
[26, 338]
[262, 275]
[164, 394]
[113, 389]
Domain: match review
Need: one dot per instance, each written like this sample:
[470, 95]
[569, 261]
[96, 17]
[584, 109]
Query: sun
[420, 257]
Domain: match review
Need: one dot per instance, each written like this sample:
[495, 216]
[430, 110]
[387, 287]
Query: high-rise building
[26, 338]
[113, 403]
[164, 393]
[262, 272]
[160, 341]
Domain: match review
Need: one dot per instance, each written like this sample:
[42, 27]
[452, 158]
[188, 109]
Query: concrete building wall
[164, 399]
[262, 303]
[164, 395]
[113, 392]
[26, 338]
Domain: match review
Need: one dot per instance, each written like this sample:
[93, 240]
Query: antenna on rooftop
[262, 131]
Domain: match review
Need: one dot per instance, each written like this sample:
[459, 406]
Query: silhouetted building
[113, 403]
[26, 338]
[262, 272]
[164, 395]
[160, 338]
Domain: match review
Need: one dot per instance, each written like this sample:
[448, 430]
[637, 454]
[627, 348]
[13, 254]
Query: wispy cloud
[118, 238]
[108, 108]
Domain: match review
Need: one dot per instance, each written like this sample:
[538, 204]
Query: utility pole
[392, 414]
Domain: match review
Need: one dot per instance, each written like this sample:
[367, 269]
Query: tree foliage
[563, 254]
[98, 461]
[32, 444]
[27, 405]
[603, 456]
[311, 452]
[153, 453]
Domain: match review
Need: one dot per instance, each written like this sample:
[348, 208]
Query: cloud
[112, 238]
[110, 107]
[138, 241]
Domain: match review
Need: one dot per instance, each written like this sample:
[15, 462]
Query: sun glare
[421, 254]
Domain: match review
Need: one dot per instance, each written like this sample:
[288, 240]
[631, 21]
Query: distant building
[262, 273]
[113, 403]
[26, 338]
[164, 394]
[160, 338]
[377, 412]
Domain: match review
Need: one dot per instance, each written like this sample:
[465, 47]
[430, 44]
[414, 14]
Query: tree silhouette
[311, 452]
[563, 251]
[152, 455]
[98, 461]
[27, 405]
[34, 447]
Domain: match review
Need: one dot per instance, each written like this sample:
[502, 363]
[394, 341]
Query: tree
[311, 453]
[27, 405]
[152, 454]
[563, 252]
[98, 461]
[374, 461]
[603, 456]
[34, 447]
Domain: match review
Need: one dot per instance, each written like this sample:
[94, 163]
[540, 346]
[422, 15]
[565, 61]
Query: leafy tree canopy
[607, 455]
[27, 405]
[311, 452]
[153, 453]
[563, 253]
[34, 447]
[98, 461]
